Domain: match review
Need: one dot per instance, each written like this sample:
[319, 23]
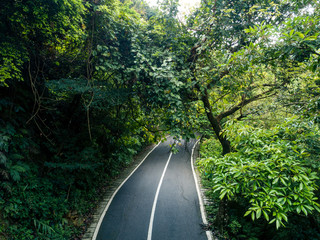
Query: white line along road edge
[156, 199]
[202, 209]
[114, 194]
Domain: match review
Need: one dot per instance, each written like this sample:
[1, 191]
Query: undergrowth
[267, 188]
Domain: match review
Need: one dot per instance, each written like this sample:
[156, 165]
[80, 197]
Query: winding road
[158, 201]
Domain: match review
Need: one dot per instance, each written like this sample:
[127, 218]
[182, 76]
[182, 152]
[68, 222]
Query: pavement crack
[182, 193]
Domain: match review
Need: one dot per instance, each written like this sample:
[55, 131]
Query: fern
[4, 175]
[3, 159]
[17, 169]
[6, 186]
[43, 227]
[3, 166]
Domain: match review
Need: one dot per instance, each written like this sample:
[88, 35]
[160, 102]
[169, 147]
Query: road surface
[158, 202]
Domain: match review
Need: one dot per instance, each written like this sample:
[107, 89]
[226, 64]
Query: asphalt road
[158, 202]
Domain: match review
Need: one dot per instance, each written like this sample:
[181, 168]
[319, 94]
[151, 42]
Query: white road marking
[202, 209]
[112, 197]
[156, 199]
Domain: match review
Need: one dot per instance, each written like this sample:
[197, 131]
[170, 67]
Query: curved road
[158, 202]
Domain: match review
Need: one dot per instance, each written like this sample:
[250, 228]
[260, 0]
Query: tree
[257, 50]
[68, 111]
[230, 68]
[160, 49]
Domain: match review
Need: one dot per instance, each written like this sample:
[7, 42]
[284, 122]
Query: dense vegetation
[70, 118]
[86, 84]
[272, 176]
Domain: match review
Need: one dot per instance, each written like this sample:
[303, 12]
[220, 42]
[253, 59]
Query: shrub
[272, 170]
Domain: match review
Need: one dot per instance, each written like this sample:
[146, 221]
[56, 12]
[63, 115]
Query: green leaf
[301, 35]
[272, 221]
[298, 208]
[291, 33]
[275, 181]
[247, 213]
[301, 186]
[223, 193]
[311, 38]
[284, 217]
[265, 215]
[283, 181]
[258, 214]
[304, 210]
[277, 223]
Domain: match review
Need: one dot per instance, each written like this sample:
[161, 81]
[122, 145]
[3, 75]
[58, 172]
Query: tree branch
[215, 124]
[244, 103]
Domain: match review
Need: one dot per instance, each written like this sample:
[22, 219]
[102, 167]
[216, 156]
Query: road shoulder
[112, 188]
[124, 175]
[203, 199]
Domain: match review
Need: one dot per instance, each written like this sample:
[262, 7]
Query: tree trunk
[222, 217]
[215, 124]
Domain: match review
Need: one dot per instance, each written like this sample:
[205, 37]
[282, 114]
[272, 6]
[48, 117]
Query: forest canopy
[86, 84]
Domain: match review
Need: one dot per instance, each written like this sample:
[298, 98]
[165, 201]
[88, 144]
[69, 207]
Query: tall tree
[230, 68]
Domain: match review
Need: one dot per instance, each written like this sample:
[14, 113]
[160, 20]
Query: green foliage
[86, 84]
[70, 120]
[12, 59]
[273, 170]
[246, 52]
[32, 29]
[13, 147]
[163, 80]
[35, 207]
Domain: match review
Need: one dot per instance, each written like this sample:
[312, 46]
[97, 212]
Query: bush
[269, 174]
